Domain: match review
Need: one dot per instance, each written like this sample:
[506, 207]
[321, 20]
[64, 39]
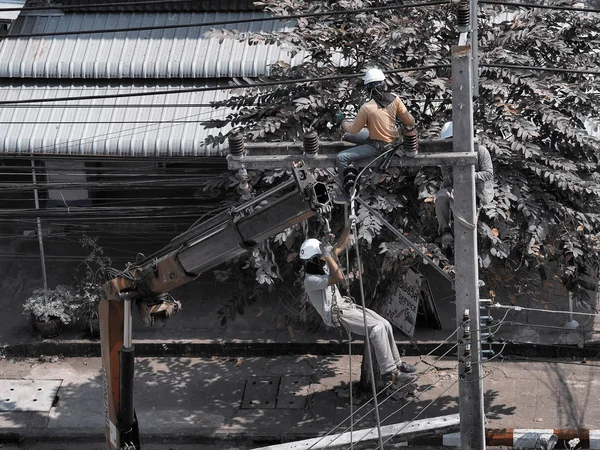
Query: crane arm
[201, 248]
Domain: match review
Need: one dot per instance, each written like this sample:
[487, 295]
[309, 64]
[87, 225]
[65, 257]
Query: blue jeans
[362, 151]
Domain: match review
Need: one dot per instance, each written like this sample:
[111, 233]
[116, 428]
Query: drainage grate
[276, 392]
[260, 392]
[28, 395]
[293, 392]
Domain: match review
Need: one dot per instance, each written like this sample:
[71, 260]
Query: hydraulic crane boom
[201, 248]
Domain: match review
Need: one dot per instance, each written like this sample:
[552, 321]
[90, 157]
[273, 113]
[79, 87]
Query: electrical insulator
[410, 144]
[244, 188]
[236, 145]
[466, 336]
[311, 144]
[350, 176]
[463, 16]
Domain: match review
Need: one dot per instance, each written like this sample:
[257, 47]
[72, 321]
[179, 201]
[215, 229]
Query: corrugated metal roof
[192, 5]
[84, 127]
[171, 53]
[10, 15]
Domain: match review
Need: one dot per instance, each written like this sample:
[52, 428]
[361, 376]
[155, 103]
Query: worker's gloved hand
[339, 118]
[326, 250]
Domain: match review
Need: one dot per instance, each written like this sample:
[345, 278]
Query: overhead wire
[117, 133]
[282, 82]
[229, 22]
[93, 5]
[551, 327]
[538, 6]
[551, 311]
[543, 69]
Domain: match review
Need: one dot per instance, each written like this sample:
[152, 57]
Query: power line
[216, 88]
[523, 308]
[119, 133]
[94, 5]
[282, 83]
[533, 5]
[229, 22]
[173, 105]
[551, 327]
[545, 69]
[97, 122]
[133, 105]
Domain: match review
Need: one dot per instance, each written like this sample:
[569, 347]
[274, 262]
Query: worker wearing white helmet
[375, 124]
[322, 273]
[444, 201]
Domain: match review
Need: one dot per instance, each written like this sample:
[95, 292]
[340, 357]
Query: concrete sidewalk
[265, 400]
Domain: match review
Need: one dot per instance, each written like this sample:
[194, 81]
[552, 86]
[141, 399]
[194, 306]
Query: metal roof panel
[10, 15]
[155, 126]
[164, 53]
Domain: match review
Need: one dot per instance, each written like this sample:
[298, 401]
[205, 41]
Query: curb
[521, 438]
[515, 438]
[161, 348]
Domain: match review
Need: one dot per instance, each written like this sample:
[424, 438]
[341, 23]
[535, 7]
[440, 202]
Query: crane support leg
[121, 426]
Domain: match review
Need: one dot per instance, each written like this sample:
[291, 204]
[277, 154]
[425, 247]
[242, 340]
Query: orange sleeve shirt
[381, 122]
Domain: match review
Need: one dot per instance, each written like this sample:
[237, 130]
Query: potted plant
[89, 276]
[88, 296]
[50, 309]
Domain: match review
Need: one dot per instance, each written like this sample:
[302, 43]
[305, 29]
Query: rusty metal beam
[332, 147]
[254, 160]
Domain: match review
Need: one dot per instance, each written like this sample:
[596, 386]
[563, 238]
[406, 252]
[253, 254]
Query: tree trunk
[363, 387]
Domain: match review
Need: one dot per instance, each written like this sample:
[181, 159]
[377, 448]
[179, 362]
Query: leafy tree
[533, 122]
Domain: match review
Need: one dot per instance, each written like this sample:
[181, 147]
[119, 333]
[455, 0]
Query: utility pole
[39, 225]
[472, 418]
[474, 48]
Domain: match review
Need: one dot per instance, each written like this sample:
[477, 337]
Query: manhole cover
[260, 392]
[28, 395]
[293, 392]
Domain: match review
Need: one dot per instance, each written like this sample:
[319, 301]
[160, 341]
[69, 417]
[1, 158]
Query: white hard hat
[446, 131]
[310, 248]
[374, 75]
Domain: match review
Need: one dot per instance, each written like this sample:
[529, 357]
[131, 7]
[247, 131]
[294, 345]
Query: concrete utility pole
[39, 225]
[474, 48]
[472, 418]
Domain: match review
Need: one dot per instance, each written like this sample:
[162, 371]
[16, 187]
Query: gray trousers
[361, 151]
[444, 202]
[380, 330]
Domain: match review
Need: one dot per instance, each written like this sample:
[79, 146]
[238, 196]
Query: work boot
[406, 368]
[396, 377]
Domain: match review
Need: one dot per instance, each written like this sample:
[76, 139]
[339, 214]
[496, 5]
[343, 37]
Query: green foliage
[89, 276]
[59, 303]
[547, 183]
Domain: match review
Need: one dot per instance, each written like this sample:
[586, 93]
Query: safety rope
[351, 388]
[352, 219]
